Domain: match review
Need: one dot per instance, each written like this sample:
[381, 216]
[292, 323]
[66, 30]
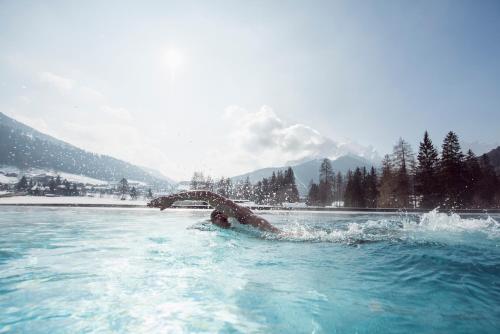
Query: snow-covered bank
[116, 202]
[73, 200]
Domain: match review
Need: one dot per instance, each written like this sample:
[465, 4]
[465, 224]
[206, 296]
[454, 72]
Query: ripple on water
[6, 256]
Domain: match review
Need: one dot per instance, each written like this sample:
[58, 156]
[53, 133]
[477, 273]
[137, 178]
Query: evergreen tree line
[454, 179]
[223, 186]
[278, 188]
[354, 189]
[361, 190]
[54, 185]
[448, 180]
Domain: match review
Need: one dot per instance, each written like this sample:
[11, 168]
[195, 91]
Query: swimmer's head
[220, 219]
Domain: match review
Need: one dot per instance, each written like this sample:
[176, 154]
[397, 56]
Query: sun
[174, 59]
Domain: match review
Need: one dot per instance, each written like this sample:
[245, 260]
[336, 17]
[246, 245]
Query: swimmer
[224, 208]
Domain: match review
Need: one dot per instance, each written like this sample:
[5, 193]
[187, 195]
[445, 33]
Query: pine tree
[358, 194]
[221, 187]
[22, 184]
[228, 188]
[291, 191]
[74, 190]
[209, 183]
[273, 185]
[247, 188]
[266, 191]
[371, 189]
[349, 190]
[133, 193]
[472, 177]
[426, 176]
[326, 183]
[280, 189]
[338, 193]
[257, 193]
[198, 181]
[313, 195]
[326, 172]
[122, 187]
[451, 172]
[402, 158]
[386, 187]
[53, 184]
[67, 187]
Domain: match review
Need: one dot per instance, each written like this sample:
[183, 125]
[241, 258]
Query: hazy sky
[229, 86]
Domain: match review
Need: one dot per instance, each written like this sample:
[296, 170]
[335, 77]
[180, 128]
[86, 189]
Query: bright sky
[230, 86]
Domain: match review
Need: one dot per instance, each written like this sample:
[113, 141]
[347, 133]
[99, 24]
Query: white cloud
[90, 94]
[117, 112]
[85, 97]
[63, 84]
[267, 140]
[75, 90]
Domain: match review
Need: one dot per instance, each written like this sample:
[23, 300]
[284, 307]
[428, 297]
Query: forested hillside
[24, 147]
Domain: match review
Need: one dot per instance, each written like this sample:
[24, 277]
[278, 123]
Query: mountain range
[24, 147]
[494, 156]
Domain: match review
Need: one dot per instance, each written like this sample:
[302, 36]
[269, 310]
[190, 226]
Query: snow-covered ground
[9, 169]
[85, 200]
[80, 179]
[294, 205]
[37, 171]
[8, 179]
[70, 200]
[136, 183]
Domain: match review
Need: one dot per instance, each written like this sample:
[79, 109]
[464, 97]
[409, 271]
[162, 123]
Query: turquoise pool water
[66, 270]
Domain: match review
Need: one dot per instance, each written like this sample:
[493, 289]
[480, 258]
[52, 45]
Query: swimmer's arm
[215, 200]
[242, 214]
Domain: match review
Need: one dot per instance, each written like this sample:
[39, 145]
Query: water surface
[130, 270]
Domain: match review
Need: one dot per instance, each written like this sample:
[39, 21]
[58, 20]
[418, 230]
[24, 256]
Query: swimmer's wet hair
[215, 213]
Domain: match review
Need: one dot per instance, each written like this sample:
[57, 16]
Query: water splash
[438, 221]
[352, 233]
[404, 227]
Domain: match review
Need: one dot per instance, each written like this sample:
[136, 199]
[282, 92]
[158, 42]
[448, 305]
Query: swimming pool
[132, 270]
